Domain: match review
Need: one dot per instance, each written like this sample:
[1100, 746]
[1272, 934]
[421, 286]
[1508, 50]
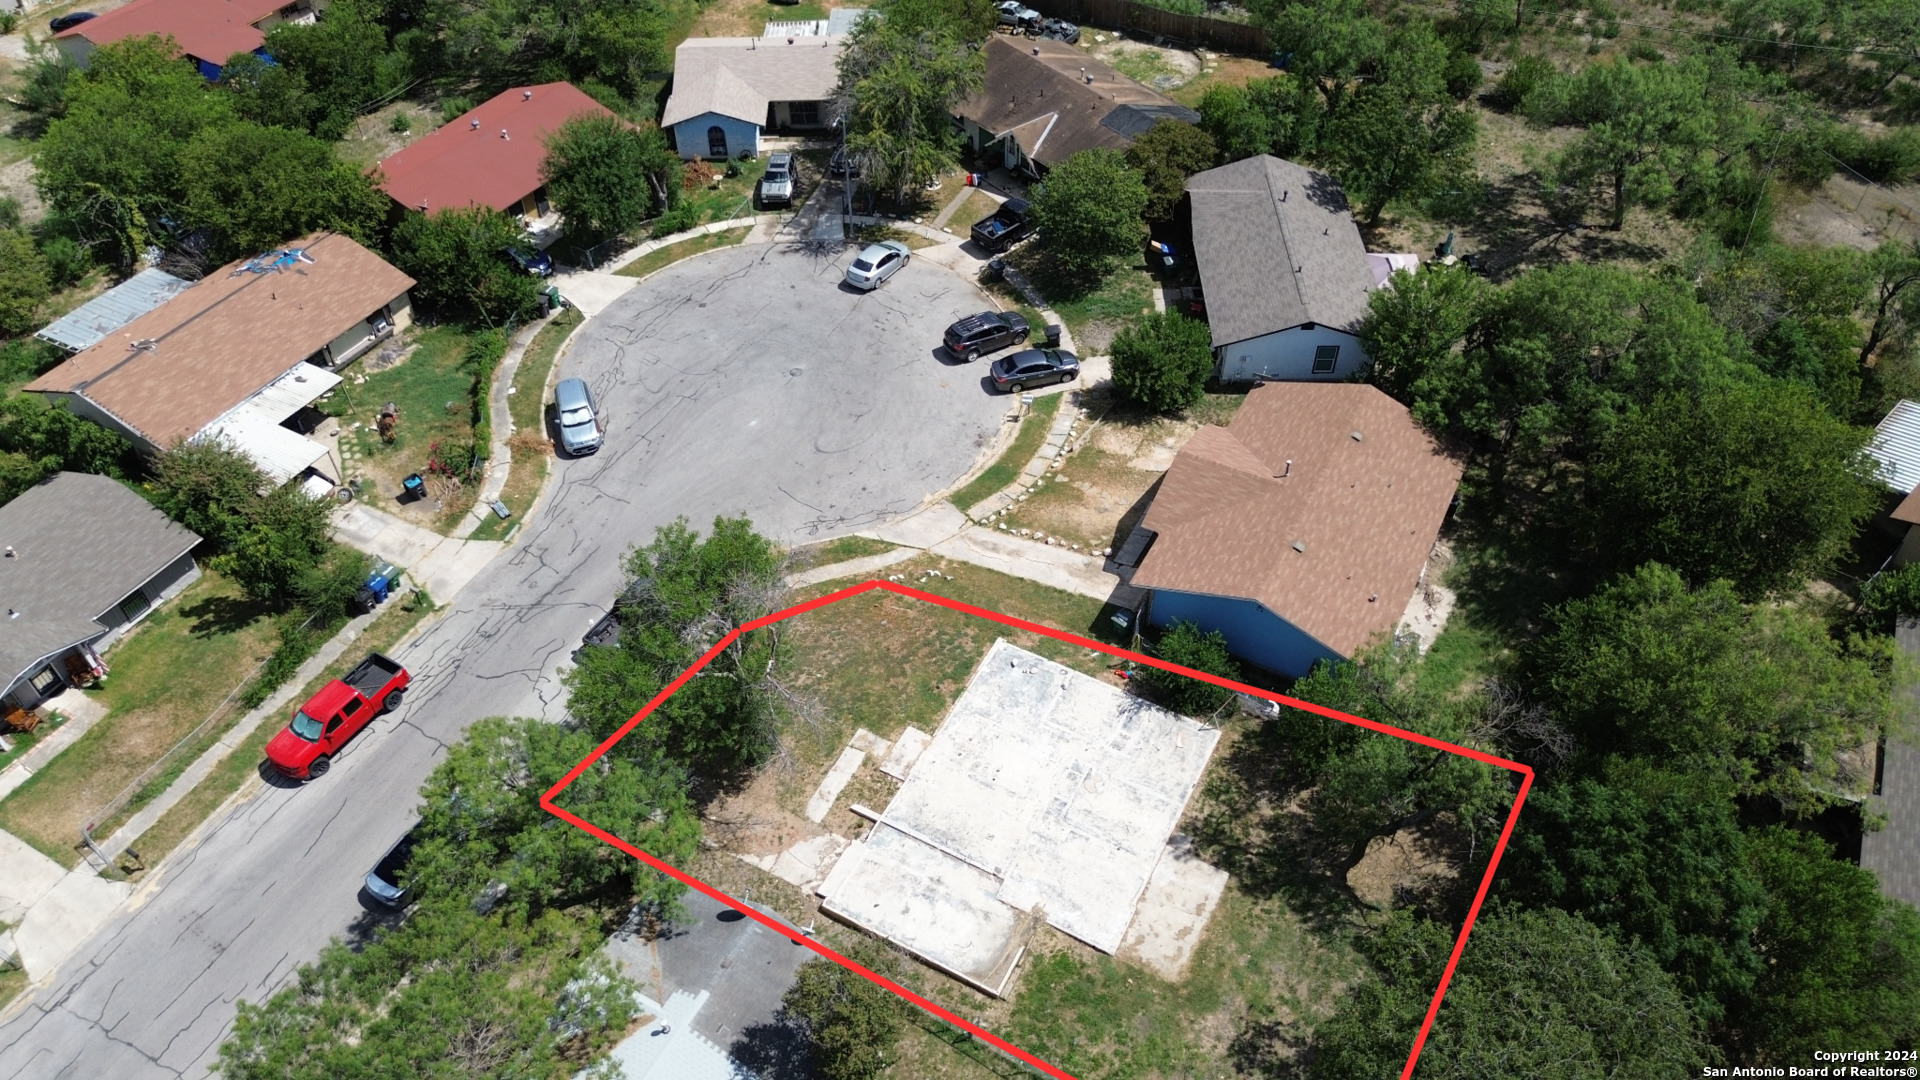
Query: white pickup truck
[776, 187]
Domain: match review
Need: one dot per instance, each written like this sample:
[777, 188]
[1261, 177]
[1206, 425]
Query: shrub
[400, 124]
[1162, 361]
[451, 108]
[1886, 597]
[1463, 75]
[1526, 75]
[1184, 643]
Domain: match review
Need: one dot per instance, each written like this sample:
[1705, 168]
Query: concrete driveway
[742, 381]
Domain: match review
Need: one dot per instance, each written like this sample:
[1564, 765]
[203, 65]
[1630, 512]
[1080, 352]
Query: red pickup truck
[329, 718]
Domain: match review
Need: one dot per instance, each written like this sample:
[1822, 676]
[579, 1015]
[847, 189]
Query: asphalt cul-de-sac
[749, 381]
[744, 381]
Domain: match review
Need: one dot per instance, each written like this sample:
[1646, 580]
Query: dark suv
[977, 335]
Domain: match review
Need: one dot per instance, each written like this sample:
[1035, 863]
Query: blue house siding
[691, 136]
[1253, 633]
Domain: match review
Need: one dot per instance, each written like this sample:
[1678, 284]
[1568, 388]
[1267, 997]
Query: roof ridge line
[1280, 218]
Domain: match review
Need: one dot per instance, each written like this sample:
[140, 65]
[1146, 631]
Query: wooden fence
[1137, 18]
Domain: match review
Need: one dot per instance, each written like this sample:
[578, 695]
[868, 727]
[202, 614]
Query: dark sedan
[1034, 367]
[69, 20]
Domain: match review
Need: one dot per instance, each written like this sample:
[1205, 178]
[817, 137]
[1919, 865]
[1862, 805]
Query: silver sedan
[876, 263]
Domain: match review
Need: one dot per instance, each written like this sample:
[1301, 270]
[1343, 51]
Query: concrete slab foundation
[1174, 910]
[906, 750]
[1044, 793]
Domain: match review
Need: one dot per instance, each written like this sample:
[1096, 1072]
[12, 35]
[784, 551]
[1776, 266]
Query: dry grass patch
[661, 258]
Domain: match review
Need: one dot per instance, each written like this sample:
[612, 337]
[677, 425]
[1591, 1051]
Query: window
[804, 114]
[352, 707]
[1324, 359]
[717, 141]
[45, 681]
[134, 606]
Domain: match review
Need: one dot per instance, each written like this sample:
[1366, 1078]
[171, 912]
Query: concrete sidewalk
[941, 529]
[57, 909]
[441, 564]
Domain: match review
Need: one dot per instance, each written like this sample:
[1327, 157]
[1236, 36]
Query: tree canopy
[901, 74]
[1089, 213]
[1165, 155]
[458, 258]
[608, 176]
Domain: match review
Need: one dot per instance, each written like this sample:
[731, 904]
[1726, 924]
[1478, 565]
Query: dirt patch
[16, 182]
[1102, 490]
[747, 18]
[1847, 213]
[1408, 862]
[373, 137]
[1161, 67]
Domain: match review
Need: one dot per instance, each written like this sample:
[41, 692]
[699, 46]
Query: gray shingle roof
[78, 545]
[1058, 100]
[1276, 247]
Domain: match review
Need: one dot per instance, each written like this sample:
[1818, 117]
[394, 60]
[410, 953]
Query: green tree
[901, 74]
[1164, 156]
[1413, 328]
[455, 255]
[1657, 856]
[336, 66]
[1760, 695]
[1757, 484]
[1644, 123]
[1163, 361]
[1186, 644]
[272, 539]
[482, 822]
[1391, 145]
[608, 176]
[447, 993]
[1536, 994]
[257, 187]
[269, 93]
[683, 594]
[23, 282]
[1888, 595]
[1843, 961]
[852, 1023]
[1089, 213]
[112, 164]
[37, 440]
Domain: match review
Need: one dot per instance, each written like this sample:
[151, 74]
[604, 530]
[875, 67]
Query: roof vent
[475, 125]
[1300, 546]
[1373, 598]
[1283, 194]
[1356, 436]
[12, 614]
[11, 553]
[1036, 50]
[1288, 471]
[503, 133]
[526, 95]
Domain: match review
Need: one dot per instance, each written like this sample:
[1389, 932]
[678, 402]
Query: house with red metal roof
[489, 156]
[209, 32]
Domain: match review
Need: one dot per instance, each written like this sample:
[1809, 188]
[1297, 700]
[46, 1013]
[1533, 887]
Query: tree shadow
[1271, 1050]
[213, 616]
[775, 1051]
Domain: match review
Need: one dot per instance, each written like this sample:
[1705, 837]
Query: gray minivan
[579, 420]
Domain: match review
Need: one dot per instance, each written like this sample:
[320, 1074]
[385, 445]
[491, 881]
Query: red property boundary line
[1473, 912]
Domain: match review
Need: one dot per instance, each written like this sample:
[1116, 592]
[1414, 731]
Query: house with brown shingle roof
[1302, 529]
[1044, 101]
[238, 353]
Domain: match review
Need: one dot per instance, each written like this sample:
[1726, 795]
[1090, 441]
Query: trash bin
[1053, 335]
[996, 270]
[546, 304]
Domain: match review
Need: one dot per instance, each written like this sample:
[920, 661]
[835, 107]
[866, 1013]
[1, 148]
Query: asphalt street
[745, 381]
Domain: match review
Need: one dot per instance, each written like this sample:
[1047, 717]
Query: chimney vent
[1300, 546]
[526, 95]
[1356, 436]
[10, 552]
[475, 125]
[503, 133]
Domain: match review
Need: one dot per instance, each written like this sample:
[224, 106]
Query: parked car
[977, 335]
[70, 20]
[579, 419]
[842, 164]
[321, 727]
[1010, 224]
[776, 184]
[383, 881]
[1060, 30]
[532, 260]
[876, 263]
[1018, 16]
[1034, 367]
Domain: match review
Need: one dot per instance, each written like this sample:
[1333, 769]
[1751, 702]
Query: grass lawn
[11, 983]
[1005, 470]
[1095, 316]
[167, 676]
[661, 258]
[244, 763]
[725, 197]
[527, 405]
[434, 392]
[828, 552]
[883, 661]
